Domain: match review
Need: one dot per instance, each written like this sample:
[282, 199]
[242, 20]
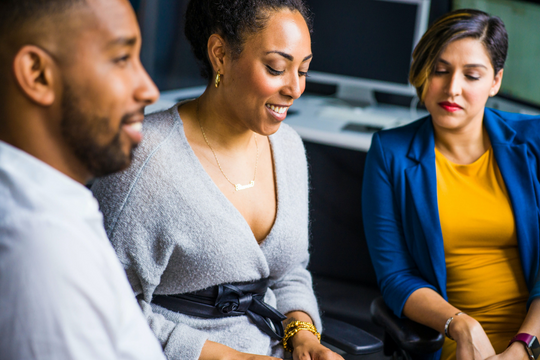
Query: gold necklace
[237, 187]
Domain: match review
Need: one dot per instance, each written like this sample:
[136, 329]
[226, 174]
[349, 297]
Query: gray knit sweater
[175, 232]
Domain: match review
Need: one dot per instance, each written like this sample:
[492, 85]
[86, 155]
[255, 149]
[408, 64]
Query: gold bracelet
[293, 328]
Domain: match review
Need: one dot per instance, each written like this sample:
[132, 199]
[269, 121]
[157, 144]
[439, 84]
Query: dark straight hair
[456, 25]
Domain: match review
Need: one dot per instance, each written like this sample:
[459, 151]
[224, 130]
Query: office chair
[343, 277]
[349, 338]
[404, 338]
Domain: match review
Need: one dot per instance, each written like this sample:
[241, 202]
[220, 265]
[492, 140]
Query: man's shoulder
[48, 242]
[66, 261]
[66, 291]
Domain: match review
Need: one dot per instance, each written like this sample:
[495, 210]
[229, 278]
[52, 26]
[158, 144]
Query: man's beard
[81, 132]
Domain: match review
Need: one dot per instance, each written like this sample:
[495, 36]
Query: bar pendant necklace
[237, 187]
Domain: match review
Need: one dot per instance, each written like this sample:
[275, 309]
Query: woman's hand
[216, 351]
[516, 351]
[427, 307]
[531, 325]
[471, 339]
[306, 346]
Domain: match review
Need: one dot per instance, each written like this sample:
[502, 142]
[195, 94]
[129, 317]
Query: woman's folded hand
[516, 351]
[306, 346]
[215, 351]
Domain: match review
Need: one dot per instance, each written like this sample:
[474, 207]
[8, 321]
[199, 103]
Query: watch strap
[532, 346]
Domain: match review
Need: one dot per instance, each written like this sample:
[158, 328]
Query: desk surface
[323, 120]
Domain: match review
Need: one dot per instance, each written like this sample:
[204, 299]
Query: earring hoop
[218, 79]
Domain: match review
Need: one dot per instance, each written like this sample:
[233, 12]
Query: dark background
[166, 54]
[359, 38]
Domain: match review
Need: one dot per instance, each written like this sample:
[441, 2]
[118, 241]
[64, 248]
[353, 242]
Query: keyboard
[354, 115]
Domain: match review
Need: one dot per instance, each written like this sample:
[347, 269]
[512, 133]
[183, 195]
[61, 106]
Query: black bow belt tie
[229, 300]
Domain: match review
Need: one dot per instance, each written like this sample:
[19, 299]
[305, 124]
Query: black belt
[229, 300]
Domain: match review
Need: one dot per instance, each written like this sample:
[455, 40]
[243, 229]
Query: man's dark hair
[18, 15]
[15, 14]
[234, 20]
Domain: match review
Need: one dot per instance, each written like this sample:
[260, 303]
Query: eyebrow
[123, 41]
[288, 56]
[467, 66]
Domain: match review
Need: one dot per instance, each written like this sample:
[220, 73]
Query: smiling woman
[211, 221]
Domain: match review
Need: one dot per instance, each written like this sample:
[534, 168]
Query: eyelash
[277, 73]
[274, 71]
[122, 59]
[446, 72]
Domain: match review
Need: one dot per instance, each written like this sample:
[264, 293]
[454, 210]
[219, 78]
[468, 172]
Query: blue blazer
[400, 211]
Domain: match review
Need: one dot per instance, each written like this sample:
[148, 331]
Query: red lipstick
[449, 106]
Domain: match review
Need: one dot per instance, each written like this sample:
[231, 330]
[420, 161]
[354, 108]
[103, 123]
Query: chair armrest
[349, 338]
[408, 335]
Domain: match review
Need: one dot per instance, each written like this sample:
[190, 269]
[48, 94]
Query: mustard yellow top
[484, 274]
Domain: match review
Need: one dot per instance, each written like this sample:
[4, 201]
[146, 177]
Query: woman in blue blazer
[456, 66]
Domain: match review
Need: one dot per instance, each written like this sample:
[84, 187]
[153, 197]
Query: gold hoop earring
[218, 79]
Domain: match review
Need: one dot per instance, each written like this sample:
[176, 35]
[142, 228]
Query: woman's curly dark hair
[233, 20]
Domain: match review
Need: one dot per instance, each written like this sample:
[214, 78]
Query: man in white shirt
[72, 94]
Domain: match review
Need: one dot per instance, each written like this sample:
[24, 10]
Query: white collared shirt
[63, 292]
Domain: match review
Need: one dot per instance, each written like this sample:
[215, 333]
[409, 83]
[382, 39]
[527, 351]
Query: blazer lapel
[421, 182]
[515, 169]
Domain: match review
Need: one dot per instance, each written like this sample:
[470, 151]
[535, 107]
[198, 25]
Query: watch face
[535, 348]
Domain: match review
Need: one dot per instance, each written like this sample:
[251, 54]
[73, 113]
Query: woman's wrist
[237, 355]
[295, 334]
[303, 337]
[464, 327]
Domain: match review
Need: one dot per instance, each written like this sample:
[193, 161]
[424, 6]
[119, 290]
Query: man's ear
[34, 72]
[216, 52]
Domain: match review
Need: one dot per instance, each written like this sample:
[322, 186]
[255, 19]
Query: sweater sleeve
[144, 247]
[294, 293]
[293, 289]
[397, 273]
[179, 341]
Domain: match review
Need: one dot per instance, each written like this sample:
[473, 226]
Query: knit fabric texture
[176, 232]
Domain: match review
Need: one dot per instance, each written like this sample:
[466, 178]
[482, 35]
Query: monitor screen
[521, 79]
[368, 39]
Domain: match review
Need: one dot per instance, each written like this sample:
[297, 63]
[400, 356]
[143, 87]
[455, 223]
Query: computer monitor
[521, 81]
[366, 43]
